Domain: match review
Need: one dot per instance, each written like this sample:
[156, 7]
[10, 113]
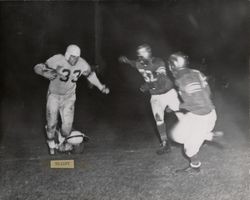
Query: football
[76, 138]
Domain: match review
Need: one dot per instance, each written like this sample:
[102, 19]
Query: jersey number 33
[67, 74]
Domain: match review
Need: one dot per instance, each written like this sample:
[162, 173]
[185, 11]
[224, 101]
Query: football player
[157, 82]
[197, 124]
[63, 72]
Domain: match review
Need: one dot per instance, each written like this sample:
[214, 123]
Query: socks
[194, 162]
[162, 131]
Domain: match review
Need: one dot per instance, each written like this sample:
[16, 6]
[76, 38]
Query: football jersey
[65, 82]
[154, 73]
[194, 91]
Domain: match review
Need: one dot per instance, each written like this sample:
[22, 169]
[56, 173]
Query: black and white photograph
[125, 100]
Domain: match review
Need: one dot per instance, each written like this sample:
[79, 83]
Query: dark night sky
[217, 30]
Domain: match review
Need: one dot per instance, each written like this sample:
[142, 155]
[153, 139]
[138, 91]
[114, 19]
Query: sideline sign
[69, 164]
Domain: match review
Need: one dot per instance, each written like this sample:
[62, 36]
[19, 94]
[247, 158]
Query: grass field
[120, 163]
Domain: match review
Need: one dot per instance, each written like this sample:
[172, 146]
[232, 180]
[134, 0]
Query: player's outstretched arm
[43, 70]
[124, 59]
[93, 79]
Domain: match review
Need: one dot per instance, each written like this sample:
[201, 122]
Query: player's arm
[124, 59]
[43, 70]
[204, 83]
[93, 79]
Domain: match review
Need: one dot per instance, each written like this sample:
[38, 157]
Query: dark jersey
[155, 75]
[194, 91]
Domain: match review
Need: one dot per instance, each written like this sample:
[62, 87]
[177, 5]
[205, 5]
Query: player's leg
[67, 114]
[200, 129]
[182, 133]
[210, 124]
[191, 149]
[171, 100]
[158, 112]
[67, 110]
[52, 109]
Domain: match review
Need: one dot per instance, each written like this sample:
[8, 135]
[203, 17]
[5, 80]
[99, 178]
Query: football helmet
[144, 51]
[72, 51]
[177, 61]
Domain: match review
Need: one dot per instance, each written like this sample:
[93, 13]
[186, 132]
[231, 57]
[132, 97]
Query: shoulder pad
[52, 61]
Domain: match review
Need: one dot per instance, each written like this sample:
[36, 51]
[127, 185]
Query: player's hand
[105, 90]
[50, 74]
[123, 59]
[168, 110]
[144, 88]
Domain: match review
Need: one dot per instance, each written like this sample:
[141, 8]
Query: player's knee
[50, 130]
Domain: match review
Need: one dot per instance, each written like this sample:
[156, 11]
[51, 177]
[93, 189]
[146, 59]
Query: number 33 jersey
[67, 75]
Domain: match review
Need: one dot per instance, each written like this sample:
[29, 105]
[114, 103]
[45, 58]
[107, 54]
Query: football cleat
[217, 134]
[217, 139]
[52, 151]
[164, 148]
[52, 146]
[65, 147]
[78, 149]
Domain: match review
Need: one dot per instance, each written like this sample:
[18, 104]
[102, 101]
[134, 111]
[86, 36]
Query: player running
[157, 82]
[197, 124]
[63, 72]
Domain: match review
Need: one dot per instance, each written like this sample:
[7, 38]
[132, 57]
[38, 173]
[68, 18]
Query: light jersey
[65, 82]
[154, 72]
[194, 91]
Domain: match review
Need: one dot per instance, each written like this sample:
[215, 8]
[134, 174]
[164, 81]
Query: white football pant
[63, 105]
[160, 102]
[192, 130]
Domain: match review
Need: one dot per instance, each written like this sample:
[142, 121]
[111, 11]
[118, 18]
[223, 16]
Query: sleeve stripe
[161, 70]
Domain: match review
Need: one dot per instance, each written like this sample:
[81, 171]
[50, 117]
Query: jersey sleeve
[204, 83]
[160, 66]
[53, 61]
[85, 67]
[202, 78]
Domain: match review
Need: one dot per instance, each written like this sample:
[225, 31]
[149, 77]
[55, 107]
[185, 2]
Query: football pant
[63, 105]
[160, 102]
[192, 130]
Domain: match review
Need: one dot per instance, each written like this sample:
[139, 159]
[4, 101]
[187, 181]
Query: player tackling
[159, 85]
[63, 72]
[198, 121]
